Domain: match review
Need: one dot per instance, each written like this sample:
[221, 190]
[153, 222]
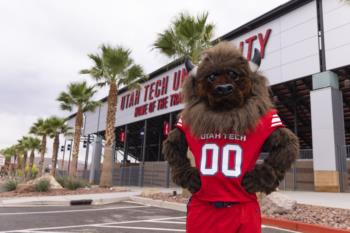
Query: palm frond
[79, 95]
[186, 36]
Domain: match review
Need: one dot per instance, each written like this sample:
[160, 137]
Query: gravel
[331, 217]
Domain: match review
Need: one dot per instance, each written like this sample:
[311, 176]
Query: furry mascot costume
[227, 120]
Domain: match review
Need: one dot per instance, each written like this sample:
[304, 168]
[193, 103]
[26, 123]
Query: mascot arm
[283, 148]
[175, 151]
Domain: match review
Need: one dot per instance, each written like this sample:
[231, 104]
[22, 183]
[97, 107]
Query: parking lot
[125, 217]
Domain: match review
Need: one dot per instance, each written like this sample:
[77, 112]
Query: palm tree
[33, 145]
[41, 128]
[79, 96]
[20, 155]
[113, 67]
[57, 126]
[187, 36]
[23, 144]
[10, 152]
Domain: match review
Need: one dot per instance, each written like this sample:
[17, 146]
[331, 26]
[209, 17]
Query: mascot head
[223, 77]
[224, 93]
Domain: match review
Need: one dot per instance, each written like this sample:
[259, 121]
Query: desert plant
[62, 180]
[34, 172]
[31, 173]
[11, 185]
[43, 185]
[20, 173]
[73, 184]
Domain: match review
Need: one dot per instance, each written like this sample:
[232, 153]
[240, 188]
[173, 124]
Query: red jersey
[223, 159]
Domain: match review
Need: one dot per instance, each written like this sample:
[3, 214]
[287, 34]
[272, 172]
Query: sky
[44, 44]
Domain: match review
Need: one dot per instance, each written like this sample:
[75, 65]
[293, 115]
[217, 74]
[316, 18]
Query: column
[328, 132]
[95, 167]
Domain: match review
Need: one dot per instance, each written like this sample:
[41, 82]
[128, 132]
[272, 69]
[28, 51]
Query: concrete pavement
[335, 200]
[97, 199]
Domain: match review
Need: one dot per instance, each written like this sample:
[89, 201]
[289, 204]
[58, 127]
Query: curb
[160, 203]
[299, 226]
[35, 203]
[64, 202]
[105, 201]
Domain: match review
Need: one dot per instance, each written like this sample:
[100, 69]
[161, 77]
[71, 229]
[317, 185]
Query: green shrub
[11, 185]
[71, 183]
[26, 169]
[31, 173]
[43, 185]
[34, 172]
[75, 183]
[62, 180]
[19, 173]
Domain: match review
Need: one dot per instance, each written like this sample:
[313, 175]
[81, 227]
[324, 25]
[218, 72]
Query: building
[305, 46]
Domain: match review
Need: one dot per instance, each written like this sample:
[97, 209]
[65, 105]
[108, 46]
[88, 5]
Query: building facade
[305, 46]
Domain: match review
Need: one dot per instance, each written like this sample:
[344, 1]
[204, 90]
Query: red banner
[122, 136]
[166, 128]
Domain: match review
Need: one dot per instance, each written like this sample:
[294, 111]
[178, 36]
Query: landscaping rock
[149, 192]
[277, 203]
[53, 183]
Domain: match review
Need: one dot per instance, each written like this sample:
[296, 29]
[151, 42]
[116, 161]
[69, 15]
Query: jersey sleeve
[180, 125]
[269, 123]
[275, 121]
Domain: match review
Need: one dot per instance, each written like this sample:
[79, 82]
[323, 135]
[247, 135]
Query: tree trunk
[77, 134]
[31, 162]
[13, 170]
[106, 175]
[42, 155]
[54, 155]
[24, 163]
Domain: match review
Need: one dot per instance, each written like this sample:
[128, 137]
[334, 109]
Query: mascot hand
[261, 179]
[187, 177]
[194, 180]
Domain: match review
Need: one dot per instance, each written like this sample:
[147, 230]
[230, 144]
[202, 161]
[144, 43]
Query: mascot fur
[227, 121]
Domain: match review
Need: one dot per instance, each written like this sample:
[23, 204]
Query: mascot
[227, 121]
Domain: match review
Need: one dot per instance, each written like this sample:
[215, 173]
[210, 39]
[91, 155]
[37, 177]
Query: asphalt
[119, 212]
[125, 217]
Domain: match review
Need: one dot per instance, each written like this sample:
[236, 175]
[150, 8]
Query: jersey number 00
[225, 155]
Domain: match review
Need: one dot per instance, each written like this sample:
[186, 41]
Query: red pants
[204, 217]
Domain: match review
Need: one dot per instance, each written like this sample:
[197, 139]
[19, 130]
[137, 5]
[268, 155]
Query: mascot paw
[261, 179]
[194, 180]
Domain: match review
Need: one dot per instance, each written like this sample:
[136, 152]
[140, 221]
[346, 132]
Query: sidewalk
[335, 200]
[97, 199]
